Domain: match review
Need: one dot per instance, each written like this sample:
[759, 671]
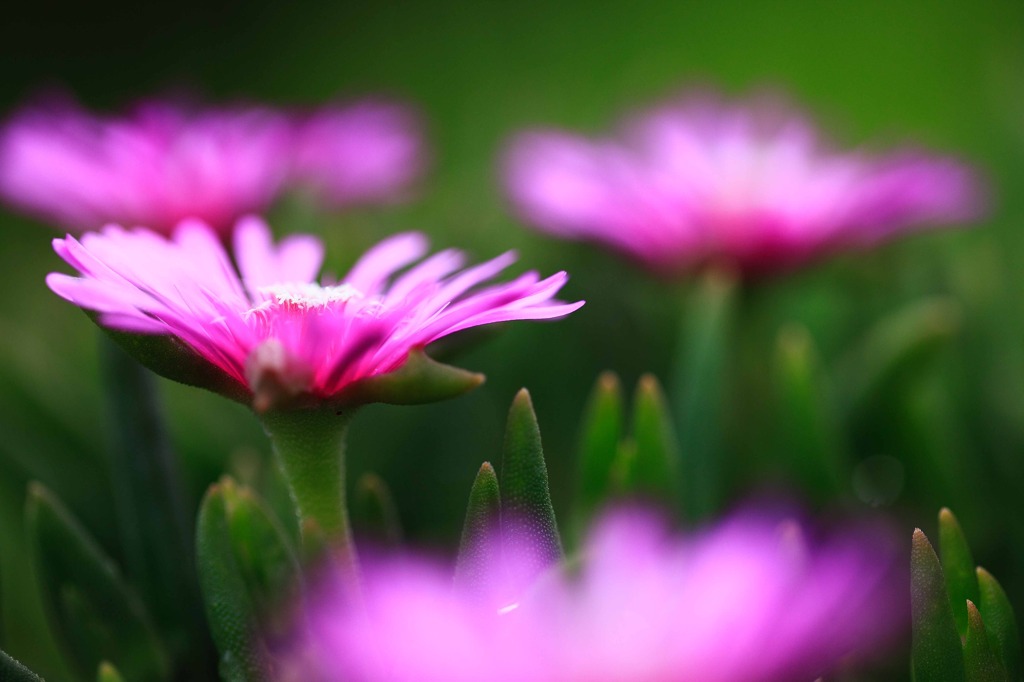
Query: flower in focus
[699, 180]
[362, 152]
[748, 601]
[268, 333]
[157, 165]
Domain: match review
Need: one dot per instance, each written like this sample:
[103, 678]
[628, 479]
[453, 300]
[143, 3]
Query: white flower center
[308, 295]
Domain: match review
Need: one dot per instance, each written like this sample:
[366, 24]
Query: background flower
[749, 600]
[156, 166]
[368, 151]
[700, 180]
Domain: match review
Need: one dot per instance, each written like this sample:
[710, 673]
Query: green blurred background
[947, 75]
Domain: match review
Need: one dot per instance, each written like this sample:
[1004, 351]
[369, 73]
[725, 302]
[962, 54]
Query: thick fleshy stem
[310, 449]
[698, 386]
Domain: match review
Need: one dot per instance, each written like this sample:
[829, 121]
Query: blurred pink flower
[270, 325]
[157, 165]
[749, 601]
[699, 180]
[164, 162]
[360, 152]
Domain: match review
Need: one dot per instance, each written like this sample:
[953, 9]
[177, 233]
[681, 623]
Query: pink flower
[749, 601]
[156, 166]
[362, 152]
[699, 180]
[268, 330]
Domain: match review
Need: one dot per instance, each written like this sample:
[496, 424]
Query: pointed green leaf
[698, 389]
[230, 609]
[13, 671]
[622, 468]
[108, 673]
[93, 612]
[957, 567]
[265, 557]
[374, 514]
[420, 380]
[599, 445]
[151, 504]
[528, 526]
[1000, 623]
[980, 661]
[480, 547]
[806, 427]
[654, 468]
[935, 649]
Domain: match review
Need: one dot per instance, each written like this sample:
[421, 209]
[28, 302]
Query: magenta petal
[700, 179]
[186, 286]
[738, 602]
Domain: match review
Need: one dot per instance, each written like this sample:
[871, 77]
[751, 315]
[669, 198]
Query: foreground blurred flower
[699, 180]
[164, 162]
[302, 354]
[155, 166]
[749, 601]
[362, 152]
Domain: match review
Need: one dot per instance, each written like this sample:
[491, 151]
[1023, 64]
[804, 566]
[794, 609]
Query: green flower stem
[698, 384]
[310, 448]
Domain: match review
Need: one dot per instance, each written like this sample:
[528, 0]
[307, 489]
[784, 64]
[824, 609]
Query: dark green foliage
[155, 532]
[808, 439]
[13, 671]
[94, 612]
[108, 673]
[374, 515]
[698, 389]
[936, 652]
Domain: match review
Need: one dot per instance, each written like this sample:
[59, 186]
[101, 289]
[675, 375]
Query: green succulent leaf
[155, 535]
[13, 671]
[230, 607]
[981, 664]
[935, 649]
[1000, 623]
[957, 567]
[480, 547]
[374, 514]
[698, 389]
[108, 673]
[94, 613]
[653, 469]
[528, 525]
[806, 423]
[599, 446]
[265, 556]
[420, 380]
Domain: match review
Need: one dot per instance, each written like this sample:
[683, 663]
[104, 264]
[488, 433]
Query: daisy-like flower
[700, 180]
[157, 165]
[304, 354]
[369, 151]
[269, 328]
[749, 601]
